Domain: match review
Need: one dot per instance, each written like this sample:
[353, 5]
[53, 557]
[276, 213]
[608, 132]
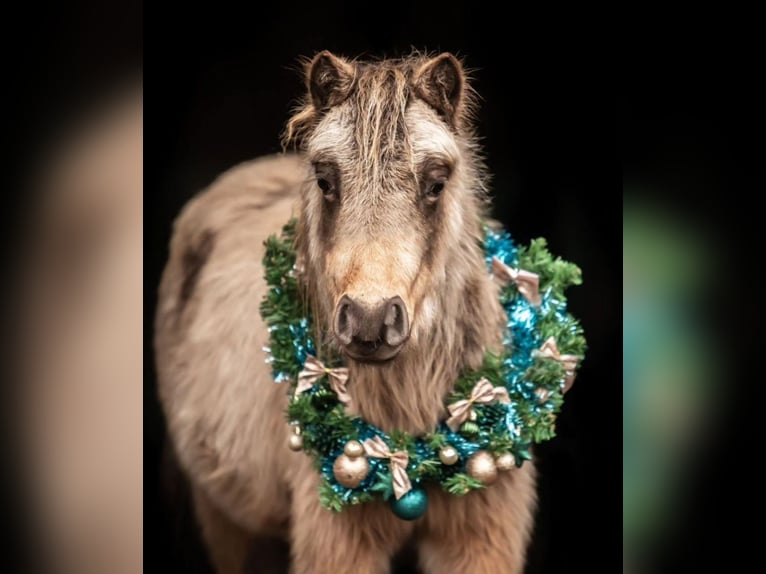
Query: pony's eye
[326, 178]
[328, 189]
[435, 190]
[433, 180]
[324, 185]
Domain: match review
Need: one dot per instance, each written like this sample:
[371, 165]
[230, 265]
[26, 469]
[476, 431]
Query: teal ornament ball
[412, 505]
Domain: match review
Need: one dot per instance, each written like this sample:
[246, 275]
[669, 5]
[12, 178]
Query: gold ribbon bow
[549, 350]
[483, 393]
[376, 448]
[527, 283]
[314, 369]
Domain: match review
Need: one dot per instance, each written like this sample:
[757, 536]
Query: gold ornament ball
[296, 442]
[505, 461]
[353, 449]
[448, 455]
[542, 394]
[481, 466]
[350, 471]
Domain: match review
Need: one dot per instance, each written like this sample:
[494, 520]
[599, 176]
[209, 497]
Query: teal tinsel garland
[534, 384]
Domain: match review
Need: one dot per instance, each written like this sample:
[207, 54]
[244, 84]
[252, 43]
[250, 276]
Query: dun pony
[389, 190]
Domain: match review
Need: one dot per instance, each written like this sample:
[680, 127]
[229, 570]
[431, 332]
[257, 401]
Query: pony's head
[391, 211]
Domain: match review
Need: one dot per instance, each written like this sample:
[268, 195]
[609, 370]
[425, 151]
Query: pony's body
[226, 415]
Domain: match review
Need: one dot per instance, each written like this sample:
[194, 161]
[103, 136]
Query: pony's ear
[329, 79]
[440, 82]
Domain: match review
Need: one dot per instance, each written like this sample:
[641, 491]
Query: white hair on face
[332, 136]
[429, 137]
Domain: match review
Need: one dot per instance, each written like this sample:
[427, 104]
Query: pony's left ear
[440, 82]
[330, 80]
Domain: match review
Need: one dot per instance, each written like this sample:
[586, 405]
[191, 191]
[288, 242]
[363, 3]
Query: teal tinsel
[498, 244]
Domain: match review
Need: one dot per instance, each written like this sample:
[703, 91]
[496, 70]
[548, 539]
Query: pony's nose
[371, 331]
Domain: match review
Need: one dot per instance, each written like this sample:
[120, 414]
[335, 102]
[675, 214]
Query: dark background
[220, 93]
[59, 61]
[691, 128]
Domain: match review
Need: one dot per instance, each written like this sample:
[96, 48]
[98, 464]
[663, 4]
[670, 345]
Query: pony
[389, 191]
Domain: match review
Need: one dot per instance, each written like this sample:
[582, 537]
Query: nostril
[343, 317]
[396, 322]
[343, 322]
[393, 314]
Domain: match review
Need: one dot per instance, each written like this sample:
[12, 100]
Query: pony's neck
[408, 392]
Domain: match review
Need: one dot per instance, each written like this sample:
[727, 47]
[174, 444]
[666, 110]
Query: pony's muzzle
[371, 332]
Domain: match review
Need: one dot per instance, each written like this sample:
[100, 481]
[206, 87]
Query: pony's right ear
[330, 80]
[440, 82]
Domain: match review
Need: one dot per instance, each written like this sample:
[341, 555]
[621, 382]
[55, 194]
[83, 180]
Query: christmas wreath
[495, 413]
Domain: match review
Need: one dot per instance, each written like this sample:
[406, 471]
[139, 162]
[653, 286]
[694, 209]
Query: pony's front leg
[227, 544]
[359, 540]
[484, 532]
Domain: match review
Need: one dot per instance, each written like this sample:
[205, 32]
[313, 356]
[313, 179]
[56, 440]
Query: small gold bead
[448, 455]
[353, 449]
[472, 415]
[542, 394]
[296, 442]
[505, 461]
[481, 466]
[297, 429]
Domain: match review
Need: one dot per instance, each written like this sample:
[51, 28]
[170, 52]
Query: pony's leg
[359, 540]
[227, 543]
[484, 532]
